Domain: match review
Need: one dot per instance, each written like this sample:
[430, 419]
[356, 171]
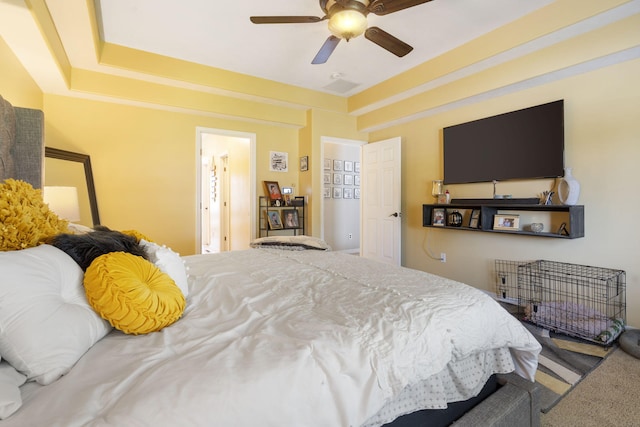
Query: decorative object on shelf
[274, 193]
[278, 161]
[546, 198]
[474, 220]
[568, 188]
[562, 230]
[536, 227]
[291, 218]
[438, 217]
[436, 188]
[572, 216]
[304, 163]
[275, 222]
[506, 222]
[455, 219]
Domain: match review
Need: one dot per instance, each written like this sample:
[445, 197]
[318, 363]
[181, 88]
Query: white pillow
[292, 243]
[46, 323]
[10, 382]
[168, 262]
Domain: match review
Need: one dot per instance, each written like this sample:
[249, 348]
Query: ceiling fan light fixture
[347, 24]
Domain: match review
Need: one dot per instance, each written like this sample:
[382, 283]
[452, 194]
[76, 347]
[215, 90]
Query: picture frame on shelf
[290, 218]
[439, 217]
[474, 219]
[274, 220]
[273, 192]
[506, 222]
[304, 163]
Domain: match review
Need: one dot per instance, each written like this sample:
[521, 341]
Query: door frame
[200, 131]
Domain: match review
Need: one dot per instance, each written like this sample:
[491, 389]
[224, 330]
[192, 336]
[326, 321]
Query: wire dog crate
[582, 301]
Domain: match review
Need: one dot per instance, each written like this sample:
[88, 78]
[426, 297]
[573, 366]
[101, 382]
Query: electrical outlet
[443, 257]
[350, 236]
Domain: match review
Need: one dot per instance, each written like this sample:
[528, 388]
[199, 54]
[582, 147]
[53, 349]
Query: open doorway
[226, 190]
[340, 212]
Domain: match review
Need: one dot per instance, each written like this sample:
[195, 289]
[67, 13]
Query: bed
[288, 333]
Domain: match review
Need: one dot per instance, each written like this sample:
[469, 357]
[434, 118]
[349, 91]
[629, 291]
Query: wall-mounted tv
[522, 144]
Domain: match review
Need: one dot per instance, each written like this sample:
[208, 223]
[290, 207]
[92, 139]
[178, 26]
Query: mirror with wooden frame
[60, 172]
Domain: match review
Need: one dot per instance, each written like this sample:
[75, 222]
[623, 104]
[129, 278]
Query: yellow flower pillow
[132, 294]
[25, 220]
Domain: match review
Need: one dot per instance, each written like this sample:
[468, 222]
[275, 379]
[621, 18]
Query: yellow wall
[601, 130]
[144, 161]
[16, 85]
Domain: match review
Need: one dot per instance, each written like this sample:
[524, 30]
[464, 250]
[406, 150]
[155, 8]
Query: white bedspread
[281, 338]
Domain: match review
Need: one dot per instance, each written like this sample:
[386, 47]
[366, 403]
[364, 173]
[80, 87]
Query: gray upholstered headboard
[21, 144]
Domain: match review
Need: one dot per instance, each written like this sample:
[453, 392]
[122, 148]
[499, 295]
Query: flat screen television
[522, 144]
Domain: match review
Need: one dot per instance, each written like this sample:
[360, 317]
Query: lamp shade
[347, 24]
[63, 201]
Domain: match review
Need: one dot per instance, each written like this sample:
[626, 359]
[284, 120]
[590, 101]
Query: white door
[381, 190]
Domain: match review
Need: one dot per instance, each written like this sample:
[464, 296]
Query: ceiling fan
[348, 19]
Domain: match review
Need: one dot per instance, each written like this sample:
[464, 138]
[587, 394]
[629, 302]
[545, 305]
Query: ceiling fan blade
[387, 41]
[385, 7]
[326, 50]
[285, 19]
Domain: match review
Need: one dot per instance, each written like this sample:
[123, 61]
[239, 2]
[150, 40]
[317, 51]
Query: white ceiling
[219, 34]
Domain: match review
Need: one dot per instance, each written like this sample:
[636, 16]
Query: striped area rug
[563, 363]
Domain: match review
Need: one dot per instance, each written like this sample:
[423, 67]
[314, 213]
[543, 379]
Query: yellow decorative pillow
[132, 294]
[138, 235]
[25, 220]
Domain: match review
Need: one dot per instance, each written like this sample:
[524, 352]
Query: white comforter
[280, 338]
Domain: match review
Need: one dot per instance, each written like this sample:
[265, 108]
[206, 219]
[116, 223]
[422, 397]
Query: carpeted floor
[607, 397]
[564, 361]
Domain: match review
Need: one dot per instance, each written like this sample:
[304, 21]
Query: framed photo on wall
[337, 179]
[327, 192]
[337, 192]
[278, 161]
[304, 163]
[327, 164]
[348, 179]
[338, 165]
[348, 166]
[356, 193]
